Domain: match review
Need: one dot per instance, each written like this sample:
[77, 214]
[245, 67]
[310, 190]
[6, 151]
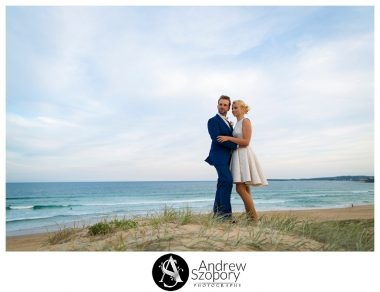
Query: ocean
[41, 207]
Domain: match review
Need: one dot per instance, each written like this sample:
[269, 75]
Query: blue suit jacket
[220, 153]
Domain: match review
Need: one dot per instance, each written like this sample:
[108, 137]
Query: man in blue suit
[220, 157]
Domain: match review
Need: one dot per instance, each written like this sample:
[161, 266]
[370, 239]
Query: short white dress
[244, 164]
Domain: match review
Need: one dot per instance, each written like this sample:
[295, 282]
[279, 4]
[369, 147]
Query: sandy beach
[276, 230]
[356, 212]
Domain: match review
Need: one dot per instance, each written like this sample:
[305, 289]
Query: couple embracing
[233, 158]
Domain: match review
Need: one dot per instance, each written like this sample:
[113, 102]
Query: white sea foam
[21, 207]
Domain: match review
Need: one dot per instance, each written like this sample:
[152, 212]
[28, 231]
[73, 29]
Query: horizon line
[119, 181]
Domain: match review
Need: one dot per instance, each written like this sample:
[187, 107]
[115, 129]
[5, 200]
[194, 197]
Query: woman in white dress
[245, 168]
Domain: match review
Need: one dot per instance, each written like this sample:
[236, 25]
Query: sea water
[41, 207]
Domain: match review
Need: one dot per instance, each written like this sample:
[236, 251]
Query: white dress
[244, 164]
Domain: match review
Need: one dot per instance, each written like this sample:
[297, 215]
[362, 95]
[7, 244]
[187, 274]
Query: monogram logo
[170, 272]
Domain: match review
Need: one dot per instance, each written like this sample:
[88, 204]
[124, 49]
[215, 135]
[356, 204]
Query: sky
[125, 93]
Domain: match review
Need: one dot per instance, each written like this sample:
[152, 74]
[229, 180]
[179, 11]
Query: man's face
[223, 106]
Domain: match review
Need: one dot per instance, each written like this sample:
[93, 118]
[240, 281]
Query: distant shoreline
[362, 178]
[358, 178]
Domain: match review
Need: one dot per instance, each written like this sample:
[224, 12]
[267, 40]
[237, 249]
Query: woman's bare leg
[246, 196]
[252, 211]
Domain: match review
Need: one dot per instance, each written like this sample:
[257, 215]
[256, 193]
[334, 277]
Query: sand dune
[276, 230]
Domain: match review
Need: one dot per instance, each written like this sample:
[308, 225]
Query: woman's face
[236, 110]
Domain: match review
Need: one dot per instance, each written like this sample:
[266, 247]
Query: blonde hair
[242, 105]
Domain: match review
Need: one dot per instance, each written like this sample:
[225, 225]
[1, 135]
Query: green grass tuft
[100, 228]
[105, 227]
[123, 224]
[185, 216]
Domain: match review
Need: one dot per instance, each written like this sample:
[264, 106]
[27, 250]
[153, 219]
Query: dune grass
[105, 227]
[183, 230]
[343, 235]
[337, 235]
[62, 235]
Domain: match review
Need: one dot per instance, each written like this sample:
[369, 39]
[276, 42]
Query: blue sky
[124, 93]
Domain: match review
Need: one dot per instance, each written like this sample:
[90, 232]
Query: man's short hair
[225, 97]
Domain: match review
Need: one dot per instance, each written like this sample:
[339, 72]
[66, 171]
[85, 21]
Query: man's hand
[222, 139]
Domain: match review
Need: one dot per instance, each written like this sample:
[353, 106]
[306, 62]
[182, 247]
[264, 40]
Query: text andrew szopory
[229, 272]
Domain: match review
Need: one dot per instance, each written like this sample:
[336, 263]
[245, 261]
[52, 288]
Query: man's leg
[222, 205]
[217, 195]
[216, 201]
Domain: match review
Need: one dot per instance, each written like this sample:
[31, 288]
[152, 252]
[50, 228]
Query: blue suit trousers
[222, 203]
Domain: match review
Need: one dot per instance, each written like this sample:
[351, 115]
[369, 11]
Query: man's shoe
[230, 220]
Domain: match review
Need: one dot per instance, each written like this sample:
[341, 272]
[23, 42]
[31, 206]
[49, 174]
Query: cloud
[124, 93]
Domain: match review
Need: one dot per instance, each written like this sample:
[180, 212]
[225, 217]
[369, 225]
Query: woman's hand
[222, 139]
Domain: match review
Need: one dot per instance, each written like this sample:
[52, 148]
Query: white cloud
[114, 95]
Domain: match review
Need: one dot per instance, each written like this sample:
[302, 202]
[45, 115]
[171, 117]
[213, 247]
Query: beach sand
[356, 212]
[197, 233]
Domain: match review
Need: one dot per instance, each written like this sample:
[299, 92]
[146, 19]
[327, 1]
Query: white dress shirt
[224, 119]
